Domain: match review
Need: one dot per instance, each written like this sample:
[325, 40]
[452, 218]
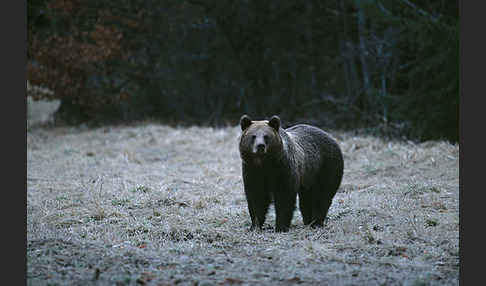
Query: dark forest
[390, 68]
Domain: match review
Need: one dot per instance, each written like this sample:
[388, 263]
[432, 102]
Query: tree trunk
[363, 51]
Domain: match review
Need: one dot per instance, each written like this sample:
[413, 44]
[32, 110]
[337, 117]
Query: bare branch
[420, 11]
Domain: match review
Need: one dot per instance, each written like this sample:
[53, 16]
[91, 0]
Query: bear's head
[260, 140]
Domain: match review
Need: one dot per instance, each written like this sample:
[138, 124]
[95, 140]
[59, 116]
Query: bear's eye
[265, 137]
[253, 137]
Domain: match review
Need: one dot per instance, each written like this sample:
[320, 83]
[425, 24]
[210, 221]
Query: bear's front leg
[284, 209]
[257, 197]
[258, 207]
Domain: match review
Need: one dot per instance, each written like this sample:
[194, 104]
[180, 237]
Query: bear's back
[318, 151]
[314, 139]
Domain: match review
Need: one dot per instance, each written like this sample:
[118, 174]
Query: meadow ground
[149, 204]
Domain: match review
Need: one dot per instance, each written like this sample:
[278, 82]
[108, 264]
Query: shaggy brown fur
[278, 164]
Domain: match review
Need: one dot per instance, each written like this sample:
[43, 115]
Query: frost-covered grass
[149, 204]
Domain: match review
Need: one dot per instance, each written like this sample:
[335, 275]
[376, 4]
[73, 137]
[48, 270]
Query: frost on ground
[149, 204]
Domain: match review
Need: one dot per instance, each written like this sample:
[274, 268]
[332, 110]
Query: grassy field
[149, 204]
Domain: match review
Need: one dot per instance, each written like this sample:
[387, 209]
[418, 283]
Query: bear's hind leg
[305, 206]
[322, 196]
[323, 192]
[320, 209]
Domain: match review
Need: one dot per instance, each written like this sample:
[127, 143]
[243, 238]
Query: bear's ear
[274, 122]
[245, 121]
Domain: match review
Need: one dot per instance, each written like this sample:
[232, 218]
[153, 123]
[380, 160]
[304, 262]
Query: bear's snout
[260, 148]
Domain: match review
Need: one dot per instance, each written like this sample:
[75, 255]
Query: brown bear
[278, 164]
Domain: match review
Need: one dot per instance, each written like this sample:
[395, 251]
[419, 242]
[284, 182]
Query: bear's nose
[261, 148]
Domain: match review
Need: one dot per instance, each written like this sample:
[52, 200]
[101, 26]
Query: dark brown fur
[278, 164]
